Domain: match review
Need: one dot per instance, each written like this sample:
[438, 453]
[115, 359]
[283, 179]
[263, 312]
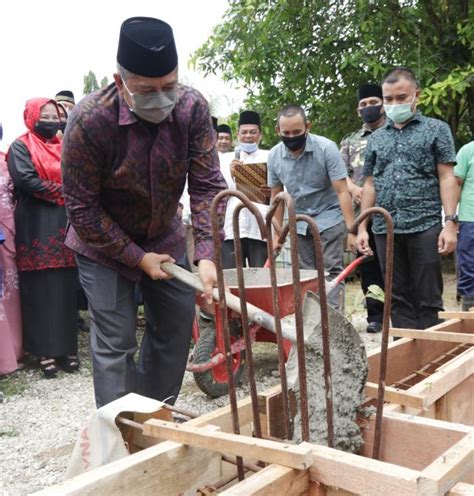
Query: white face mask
[248, 147]
[153, 107]
[400, 113]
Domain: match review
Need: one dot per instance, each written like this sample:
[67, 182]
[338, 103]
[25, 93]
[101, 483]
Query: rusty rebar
[388, 278]
[287, 420]
[290, 228]
[243, 302]
[323, 302]
[224, 318]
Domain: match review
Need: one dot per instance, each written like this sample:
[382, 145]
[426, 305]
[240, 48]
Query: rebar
[388, 278]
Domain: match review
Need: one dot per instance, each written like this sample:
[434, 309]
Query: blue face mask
[248, 147]
[400, 113]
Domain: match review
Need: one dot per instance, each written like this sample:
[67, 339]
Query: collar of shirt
[416, 118]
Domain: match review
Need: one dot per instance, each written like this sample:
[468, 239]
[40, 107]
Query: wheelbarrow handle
[255, 314]
[330, 285]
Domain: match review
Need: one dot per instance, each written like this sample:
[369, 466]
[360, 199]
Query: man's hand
[233, 165]
[447, 238]
[356, 194]
[208, 276]
[151, 265]
[363, 242]
[352, 242]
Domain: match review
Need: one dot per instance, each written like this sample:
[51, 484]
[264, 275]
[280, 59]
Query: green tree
[90, 83]
[317, 52]
[104, 82]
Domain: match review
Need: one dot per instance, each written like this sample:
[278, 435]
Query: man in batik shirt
[127, 152]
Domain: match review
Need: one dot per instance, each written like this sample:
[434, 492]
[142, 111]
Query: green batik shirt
[403, 163]
[353, 152]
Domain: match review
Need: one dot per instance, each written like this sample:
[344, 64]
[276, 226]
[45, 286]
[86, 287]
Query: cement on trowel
[349, 374]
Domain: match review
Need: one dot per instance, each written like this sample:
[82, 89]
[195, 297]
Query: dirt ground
[40, 419]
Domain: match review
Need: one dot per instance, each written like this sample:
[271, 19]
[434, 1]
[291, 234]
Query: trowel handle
[255, 314]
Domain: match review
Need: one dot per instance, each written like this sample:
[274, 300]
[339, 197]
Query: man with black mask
[370, 110]
[311, 169]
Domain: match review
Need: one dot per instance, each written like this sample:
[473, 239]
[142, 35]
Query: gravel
[39, 425]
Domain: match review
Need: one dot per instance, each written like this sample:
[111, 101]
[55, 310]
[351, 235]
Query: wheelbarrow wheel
[213, 382]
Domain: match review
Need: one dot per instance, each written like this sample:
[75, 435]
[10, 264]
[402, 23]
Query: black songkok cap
[249, 117]
[368, 90]
[146, 47]
[214, 122]
[224, 128]
[65, 96]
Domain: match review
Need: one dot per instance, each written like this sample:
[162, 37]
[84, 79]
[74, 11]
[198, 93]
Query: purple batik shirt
[123, 179]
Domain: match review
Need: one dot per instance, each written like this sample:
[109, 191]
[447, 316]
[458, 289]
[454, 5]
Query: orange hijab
[45, 154]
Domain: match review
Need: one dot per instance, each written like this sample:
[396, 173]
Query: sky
[49, 46]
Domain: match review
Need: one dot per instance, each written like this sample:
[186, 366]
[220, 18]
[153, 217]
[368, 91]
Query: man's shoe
[374, 327]
[467, 303]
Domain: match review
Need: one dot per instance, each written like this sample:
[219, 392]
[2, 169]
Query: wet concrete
[349, 374]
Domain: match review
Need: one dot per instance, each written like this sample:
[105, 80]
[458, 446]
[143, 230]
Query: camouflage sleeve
[346, 158]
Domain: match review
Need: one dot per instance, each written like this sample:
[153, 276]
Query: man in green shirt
[370, 110]
[464, 172]
[409, 172]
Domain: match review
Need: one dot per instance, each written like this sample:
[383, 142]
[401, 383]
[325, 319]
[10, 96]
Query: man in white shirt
[254, 250]
[224, 139]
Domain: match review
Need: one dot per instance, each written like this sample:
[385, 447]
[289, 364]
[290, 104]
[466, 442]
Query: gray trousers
[169, 313]
[332, 241]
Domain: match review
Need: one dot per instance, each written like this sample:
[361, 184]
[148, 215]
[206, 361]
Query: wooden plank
[294, 456]
[410, 441]
[458, 404]
[445, 379]
[452, 465]
[406, 355]
[363, 475]
[272, 480]
[451, 337]
[398, 396]
[462, 489]
[456, 315]
[171, 467]
[222, 417]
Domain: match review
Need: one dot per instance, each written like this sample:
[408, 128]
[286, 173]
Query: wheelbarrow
[207, 360]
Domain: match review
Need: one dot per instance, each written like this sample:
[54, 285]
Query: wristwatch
[452, 218]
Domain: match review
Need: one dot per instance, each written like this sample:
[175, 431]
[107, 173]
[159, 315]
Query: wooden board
[288, 455]
[272, 480]
[456, 315]
[412, 442]
[450, 337]
[454, 464]
[406, 355]
[172, 467]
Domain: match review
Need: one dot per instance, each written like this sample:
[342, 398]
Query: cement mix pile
[349, 374]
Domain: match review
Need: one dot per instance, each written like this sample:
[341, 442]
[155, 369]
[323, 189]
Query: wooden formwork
[430, 372]
[419, 456]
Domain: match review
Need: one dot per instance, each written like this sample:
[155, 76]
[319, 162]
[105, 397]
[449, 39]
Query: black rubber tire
[202, 353]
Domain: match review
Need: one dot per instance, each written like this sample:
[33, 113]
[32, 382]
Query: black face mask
[294, 143]
[47, 129]
[62, 126]
[371, 114]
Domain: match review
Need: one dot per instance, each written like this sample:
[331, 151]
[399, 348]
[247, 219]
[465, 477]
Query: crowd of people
[96, 196]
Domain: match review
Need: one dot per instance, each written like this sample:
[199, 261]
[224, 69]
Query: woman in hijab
[48, 278]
